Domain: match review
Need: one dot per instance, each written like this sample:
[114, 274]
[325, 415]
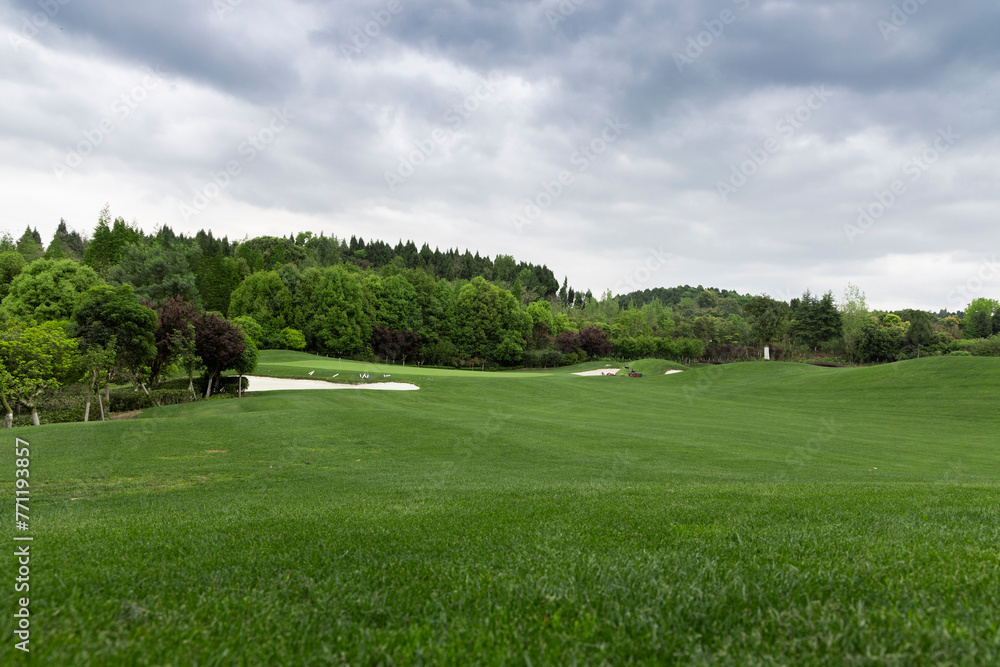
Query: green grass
[289, 364]
[759, 513]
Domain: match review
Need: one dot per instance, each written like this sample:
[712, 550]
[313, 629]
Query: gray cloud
[702, 87]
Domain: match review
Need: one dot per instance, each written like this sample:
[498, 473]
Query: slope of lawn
[759, 513]
[289, 364]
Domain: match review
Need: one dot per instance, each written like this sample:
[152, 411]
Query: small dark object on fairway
[670, 491]
[307, 462]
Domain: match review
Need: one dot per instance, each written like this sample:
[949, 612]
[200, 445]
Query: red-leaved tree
[219, 343]
[594, 342]
[173, 315]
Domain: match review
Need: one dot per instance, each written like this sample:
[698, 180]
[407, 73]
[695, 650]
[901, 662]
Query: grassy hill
[759, 512]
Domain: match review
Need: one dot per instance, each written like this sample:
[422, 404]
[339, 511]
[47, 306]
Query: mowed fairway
[759, 513]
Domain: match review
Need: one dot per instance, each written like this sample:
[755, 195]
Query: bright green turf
[724, 515]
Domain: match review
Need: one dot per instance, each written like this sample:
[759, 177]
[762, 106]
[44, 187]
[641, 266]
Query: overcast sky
[762, 146]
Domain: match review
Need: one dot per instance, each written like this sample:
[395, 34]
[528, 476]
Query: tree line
[122, 306]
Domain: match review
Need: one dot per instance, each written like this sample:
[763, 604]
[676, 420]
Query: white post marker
[767, 353]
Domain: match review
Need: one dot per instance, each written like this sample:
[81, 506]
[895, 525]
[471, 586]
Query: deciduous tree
[978, 320]
[107, 312]
[878, 343]
[48, 290]
[11, 264]
[264, 297]
[34, 360]
[219, 343]
[766, 317]
[174, 335]
[921, 331]
[337, 322]
[594, 341]
[853, 315]
[491, 323]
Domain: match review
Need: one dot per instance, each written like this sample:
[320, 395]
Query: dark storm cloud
[191, 38]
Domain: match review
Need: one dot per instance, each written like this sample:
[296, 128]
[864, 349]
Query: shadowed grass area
[751, 513]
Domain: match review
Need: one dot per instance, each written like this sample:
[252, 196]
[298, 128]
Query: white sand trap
[673, 371]
[258, 383]
[600, 371]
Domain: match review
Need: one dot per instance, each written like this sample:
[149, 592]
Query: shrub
[547, 358]
[980, 347]
[293, 339]
[126, 400]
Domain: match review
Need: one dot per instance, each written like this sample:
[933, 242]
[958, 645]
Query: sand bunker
[258, 383]
[672, 372]
[600, 371]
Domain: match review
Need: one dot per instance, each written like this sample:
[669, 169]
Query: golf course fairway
[752, 513]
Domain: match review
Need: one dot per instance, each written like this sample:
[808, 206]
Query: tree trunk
[9, 419]
[101, 404]
[208, 389]
[34, 416]
[239, 389]
[90, 393]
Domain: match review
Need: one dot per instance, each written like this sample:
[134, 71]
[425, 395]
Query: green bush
[547, 358]
[126, 399]
[980, 347]
[293, 339]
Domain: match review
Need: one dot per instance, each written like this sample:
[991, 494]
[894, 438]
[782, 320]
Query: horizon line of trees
[138, 307]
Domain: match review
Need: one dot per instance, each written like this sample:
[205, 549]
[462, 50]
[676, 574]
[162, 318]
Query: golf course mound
[655, 366]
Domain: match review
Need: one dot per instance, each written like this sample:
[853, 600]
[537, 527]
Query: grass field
[757, 513]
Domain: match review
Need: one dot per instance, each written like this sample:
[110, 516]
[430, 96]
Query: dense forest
[122, 306]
